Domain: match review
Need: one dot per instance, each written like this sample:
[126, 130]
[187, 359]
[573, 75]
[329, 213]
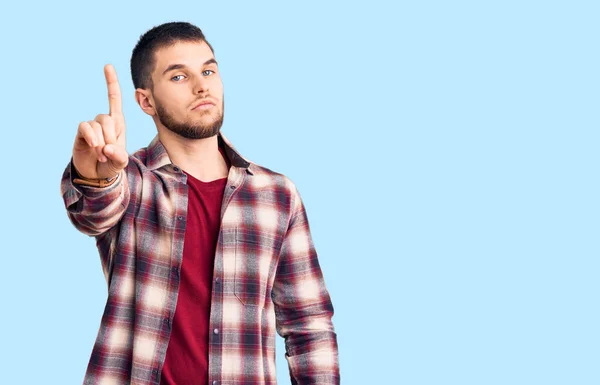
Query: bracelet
[96, 182]
[101, 182]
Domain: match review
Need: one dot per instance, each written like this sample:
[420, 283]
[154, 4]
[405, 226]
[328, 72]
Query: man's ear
[144, 99]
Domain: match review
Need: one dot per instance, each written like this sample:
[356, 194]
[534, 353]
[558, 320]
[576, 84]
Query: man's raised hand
[99, 149]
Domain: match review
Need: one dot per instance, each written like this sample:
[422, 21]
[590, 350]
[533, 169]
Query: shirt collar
[158, 156]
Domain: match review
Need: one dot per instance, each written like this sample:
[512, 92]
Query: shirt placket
[234, 182]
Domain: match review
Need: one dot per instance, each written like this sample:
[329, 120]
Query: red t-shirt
[186, 361]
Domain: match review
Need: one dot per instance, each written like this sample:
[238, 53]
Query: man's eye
[177, 78]
[206, 74]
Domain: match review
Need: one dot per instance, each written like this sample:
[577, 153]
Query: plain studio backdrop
[447, 154]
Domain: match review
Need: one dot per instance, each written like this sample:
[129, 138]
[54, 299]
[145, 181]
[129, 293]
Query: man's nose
[200, 86]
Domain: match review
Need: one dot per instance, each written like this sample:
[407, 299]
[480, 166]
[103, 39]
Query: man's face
[188, 91]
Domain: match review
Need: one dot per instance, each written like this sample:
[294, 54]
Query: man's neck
[198, 157]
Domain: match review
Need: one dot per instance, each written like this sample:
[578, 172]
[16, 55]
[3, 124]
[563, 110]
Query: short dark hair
[164, 35]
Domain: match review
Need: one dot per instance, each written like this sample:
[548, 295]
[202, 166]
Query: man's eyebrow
[181, 66]
[174, 67]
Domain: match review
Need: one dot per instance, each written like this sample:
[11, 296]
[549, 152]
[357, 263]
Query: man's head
[177, 80]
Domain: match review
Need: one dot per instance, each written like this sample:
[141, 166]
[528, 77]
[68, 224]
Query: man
[205, 253]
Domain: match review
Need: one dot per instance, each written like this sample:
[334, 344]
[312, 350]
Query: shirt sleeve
[303, 307]
[94, 210]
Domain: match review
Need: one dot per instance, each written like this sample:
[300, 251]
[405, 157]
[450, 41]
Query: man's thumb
[117, 155]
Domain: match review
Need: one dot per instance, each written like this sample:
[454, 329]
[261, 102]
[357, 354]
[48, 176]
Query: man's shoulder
[138, 161]
[265, 177]
[149, 157]
[141, 155]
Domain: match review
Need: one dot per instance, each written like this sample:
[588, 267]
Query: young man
[205, 253]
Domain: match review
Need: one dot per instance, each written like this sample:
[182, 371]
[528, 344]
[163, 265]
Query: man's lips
[203, 104]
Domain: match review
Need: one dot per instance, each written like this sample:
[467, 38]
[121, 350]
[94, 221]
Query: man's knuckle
[102, 118]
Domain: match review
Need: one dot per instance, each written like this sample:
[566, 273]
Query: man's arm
[94, 185]
[303, 308]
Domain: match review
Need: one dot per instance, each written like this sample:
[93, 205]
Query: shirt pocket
[255, 253]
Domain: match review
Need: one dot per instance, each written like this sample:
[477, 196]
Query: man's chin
[199, 129]
[196, 132]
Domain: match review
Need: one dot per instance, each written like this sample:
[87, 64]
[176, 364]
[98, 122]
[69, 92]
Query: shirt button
[218, 280]
[155, 372]
[176, 169]
[167, 321]
[232, 187]
[215, 382]
[216, 331]
[180, 217]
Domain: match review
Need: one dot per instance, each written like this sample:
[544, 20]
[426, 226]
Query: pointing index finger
[114, 90]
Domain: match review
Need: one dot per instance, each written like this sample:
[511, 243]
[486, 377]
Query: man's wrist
[93, 182]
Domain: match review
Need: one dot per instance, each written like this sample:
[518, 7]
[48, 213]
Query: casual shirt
[266, 275]
[186, 362]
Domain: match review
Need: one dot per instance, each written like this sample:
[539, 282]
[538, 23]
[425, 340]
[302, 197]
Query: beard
[189, 130]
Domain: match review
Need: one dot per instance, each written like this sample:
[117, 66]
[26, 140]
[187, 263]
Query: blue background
[447, 154]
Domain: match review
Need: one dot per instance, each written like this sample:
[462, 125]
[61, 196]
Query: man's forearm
[94, 210]
[311, 345]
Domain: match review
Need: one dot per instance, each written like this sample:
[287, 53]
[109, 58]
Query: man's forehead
[183, 52]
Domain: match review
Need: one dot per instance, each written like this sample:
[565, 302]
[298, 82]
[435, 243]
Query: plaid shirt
[266, 274]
